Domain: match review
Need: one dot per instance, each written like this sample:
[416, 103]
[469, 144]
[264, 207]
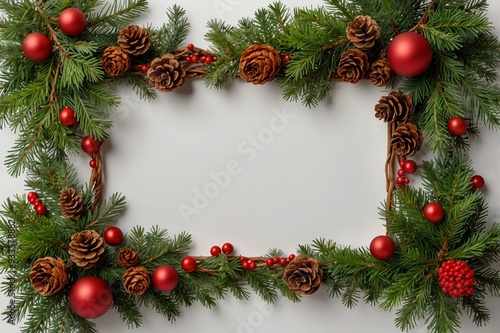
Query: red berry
[203, 59]
[208, 60]
[32, 196]
[283, 261]
[291, 257]
[67, 116]
[252, 265]
[410, 166]
[190, 47]
[144, 68]
[276, 260]
[37, 202]
[215, 251]
[41, 209]
[189, 59]
[194, 58]
[245, 265]
[90, 145]
[270, 262]
[93, 164]
[457, 126]
[227, 248]
[406, 181]
[402, 163]
[477, 182]
[433, 212]
[242, 258]
[401, 172]
[400, 180]
[188, 264]
[287, 58]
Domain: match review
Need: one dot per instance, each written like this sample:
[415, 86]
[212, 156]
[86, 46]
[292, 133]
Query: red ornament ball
[37, 46]
[113, 236]
[283, 261]
[72, 21]
[410, 166]
[165, 278]
[227, 248]
[190, 47]
[188, 264]
[477, 182]
[269, 262]
[67, 116]
[32, 196]
[382, 247]
[90, 145]
[457, 126]
[215, 251]
[291, 257]
[409, 54]
[93, 164]
[40, 209]
[144, 68]
[433, 212]
[90, 297]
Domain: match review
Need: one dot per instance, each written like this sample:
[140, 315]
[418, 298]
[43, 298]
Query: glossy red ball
[190, 47]
[93, 164]
[276, 260]
[382, 247]
[37, 46]
[477, 182]
[410, 166]
[215, 251]
[31, 197]
[245, 265]
[67, 116]
[401, 172]
[252, 265]
[433, 212]
[165, 278]
[291, 257]
[90, 145]
[113, 236]
[457, 126]
[409, 54]
[72, 21]
[287, 58]
[194, 58]
[189, 264]
[400, 180]
[41, 209]
[144, 68]
[90, 297]
[37, 202]
[227, 248]
[269, 262]
[209, 60]
[283, 261]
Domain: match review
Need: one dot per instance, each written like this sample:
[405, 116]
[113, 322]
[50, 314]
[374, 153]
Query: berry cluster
[227, 249]
[407, 166]
[270, 262]
[456, 278]
[248, 263]
[38, 205]
[206, 59]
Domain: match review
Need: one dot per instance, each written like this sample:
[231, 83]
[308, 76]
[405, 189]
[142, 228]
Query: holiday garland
[60, 59]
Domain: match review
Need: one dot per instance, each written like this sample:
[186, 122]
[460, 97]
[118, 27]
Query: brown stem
[96, 180]
[390, 173]
[53, 35]
[424, 17]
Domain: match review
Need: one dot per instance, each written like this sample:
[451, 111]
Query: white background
[322, 175]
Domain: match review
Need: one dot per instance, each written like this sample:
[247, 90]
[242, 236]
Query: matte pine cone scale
[456, 278]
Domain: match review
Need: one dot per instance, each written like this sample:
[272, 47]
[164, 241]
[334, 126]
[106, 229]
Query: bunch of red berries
[456, 278]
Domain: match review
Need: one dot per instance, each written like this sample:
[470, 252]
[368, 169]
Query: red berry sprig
[407, 166]
[38, 205]
[456, 278]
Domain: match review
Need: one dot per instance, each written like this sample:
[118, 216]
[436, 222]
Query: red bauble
[410, 166]
[382, 247]
[433, 212]
[188, 264]
[67, 116]
[113, 236]
[409, 54]
[457, 126]
[40, 209]
[32, 196]
[477, 182]
[90, 145]
[215, 250]
[37, 46]
[165, 278]
[90, 297]
[72, 21]
[227, 248]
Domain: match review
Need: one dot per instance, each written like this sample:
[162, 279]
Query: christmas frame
[59, 59]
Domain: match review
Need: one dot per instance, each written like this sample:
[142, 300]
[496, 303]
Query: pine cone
[406, 140]
[115, 61]
[303, 275]
[259, 64]
[134, 40]
[394, 107]
[353, 65]
[86, 249]
[71, 203]
[127, 257]
[166, 73]
[48, 276]
[380, 72]
[363, 32]
[136, 280]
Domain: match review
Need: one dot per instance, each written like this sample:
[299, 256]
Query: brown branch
[96, 180]
[53, 35]
[424, 17]
[390, 173]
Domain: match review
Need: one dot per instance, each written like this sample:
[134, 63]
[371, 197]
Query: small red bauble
[41, 209]
[208, 60]
[287, 58]
[409, 54]
[457, 126]
[165, 278]
[188, 264]
[215, 250]
[32, 196]
[90, 297]
[276, 260]
[190, 47]
[283, 261]
[227, 248]
[382, 247]
[433, 212]
[67, 116]
[410, 166]
[37, 202]
[93, 164]
[291, 257]
[252, 265]
[245, 265]
[113, 236]
[90, 145]
[477, 182]
[37, 46]
[203, 58]
[400, 180]
[401, 172]
[269, 262]
[144, 68]
[72, 21]
[194, 58]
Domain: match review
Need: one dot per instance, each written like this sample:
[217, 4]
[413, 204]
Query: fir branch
[118, 14]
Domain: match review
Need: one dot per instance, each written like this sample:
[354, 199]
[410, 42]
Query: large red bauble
[409, 54]
[37, 46]
[72, 21]
[382, 247]
[433, 212]
[113, 236]
[165, 278]
[90, 145]
[67, 116]
[477, 182]
[90, 297]
[189, 264]
[457, 126]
